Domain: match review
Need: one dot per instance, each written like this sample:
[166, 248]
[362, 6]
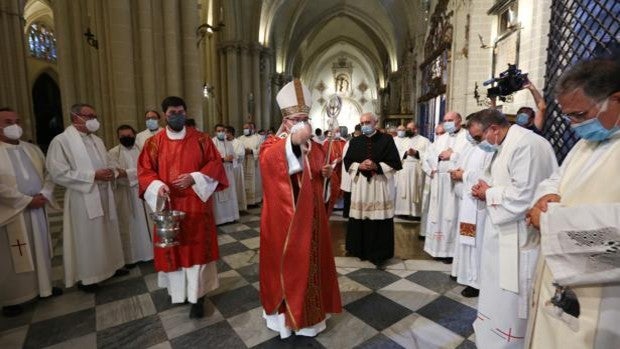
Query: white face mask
[299, 126]
[13, 132]
[92, 125]
[247, 131]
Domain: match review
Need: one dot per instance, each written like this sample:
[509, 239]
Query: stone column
[232, 78]
[147, 59]
[14, 89]
[172, 47]
[192, 68]
[256, 84]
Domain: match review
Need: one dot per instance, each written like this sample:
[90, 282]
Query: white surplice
[225, 205]
[251, 171]
[194, 282]
[92, 248]
[239, 178]
[132, 215]
[25, 244]
[510, 248]
[589, 200]
[443, 210]
[410, 180]
[141, 137]
[466, 264]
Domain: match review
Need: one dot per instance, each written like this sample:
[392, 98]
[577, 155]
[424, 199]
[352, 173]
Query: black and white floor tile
[412, 304]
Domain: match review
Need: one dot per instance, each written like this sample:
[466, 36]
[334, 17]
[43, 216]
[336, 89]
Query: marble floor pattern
[412, 304]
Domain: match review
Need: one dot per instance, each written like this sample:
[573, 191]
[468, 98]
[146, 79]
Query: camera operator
[526, 116]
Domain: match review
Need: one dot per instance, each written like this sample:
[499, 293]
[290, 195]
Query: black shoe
[453, 278]
[56, 291]
[88, 288]
[131, 266]
[470, 292]
[197, 311]
[381, 265]
[12, 310]
[447, 260]
[421, 238]
[121, 272]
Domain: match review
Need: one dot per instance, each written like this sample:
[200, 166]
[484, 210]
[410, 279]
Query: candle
[221, 13]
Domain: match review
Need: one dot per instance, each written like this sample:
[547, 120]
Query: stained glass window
[41, 42]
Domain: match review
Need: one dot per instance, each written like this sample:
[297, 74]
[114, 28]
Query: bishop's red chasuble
[297, 270]
[165, 159]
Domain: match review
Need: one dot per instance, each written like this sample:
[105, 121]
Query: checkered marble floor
[412, 304]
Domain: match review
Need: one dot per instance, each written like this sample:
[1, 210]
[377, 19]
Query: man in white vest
[472, 214]
[443, 210]
[253, 184]
[77, 160]
[521, 161]
[225, 206]
[577, 292]
[25, 244]
[410, 180]
[132, 214]
[152, 118]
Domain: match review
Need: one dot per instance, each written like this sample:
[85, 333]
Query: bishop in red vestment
[183, 163]
[298, 280]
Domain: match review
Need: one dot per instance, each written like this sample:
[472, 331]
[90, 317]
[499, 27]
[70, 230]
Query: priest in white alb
[472, 214]
[25, 243]
[77, 160]
[132, 216]
[429, 178]
[577, 291]
[238, 168]
[225, 206]
[441, 225]
[251, 172]
[521, 161]
[410, 180]
[152, 127]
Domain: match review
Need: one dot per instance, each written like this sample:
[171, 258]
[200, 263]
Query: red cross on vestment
[508, 334]
[19, 245]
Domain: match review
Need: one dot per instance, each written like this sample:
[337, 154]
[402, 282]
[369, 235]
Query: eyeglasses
[87, 116]
[578, 116]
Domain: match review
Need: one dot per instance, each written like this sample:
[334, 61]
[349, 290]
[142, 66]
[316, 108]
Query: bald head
[439, 130]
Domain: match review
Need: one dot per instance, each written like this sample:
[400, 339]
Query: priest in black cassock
[371, 161]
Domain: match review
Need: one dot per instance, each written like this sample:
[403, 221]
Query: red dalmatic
[165, 159]
[336, 178]
[297, 269]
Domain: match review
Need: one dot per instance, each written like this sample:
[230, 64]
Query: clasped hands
[37, 201]
[183, 181]
[540, 207]
[456, 175]
[479, 190]
[367, 165]
[446, 154]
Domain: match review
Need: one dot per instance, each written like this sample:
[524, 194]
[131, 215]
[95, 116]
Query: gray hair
[77, 107]
[372, 116]
[598, 79]
[489, 117]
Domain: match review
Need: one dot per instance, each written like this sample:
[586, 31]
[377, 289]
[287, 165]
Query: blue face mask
[522, 119]
[221, 136]
[488, 147]
[176, 122]
[367, 130]
[449, 126]
[592, 130]
[400, 133]
[470, 139]
[152, 124]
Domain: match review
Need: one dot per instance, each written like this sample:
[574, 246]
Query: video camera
[508, 82]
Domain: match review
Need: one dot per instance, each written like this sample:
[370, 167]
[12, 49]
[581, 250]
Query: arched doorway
[47, 110]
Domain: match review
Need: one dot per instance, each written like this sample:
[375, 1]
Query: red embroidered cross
[19, 246]
[508, 335]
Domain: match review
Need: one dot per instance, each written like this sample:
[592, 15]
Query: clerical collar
[372, 134]
[175, 135]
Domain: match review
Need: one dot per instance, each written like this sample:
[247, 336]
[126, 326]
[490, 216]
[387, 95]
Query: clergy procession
[533, 243]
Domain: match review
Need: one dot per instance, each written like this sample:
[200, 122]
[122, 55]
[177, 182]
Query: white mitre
[294, 98]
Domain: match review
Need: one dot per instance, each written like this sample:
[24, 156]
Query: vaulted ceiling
[377, 31]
